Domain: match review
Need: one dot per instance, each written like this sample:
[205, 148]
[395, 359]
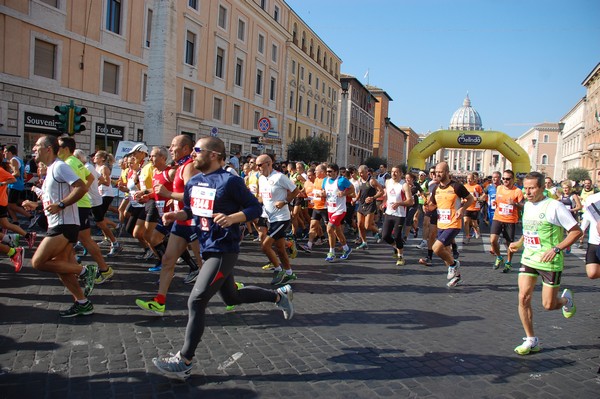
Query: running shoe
[151, 306]
[499, 262]
[256, 239]
[277, 276]
[507, 267]
[12, 239]
[33, 220]
[305, 248]
[268, 266]
[477, 235]
[78, 247]
[191, 277]
[285, 301]
[358, 240]
[115, 249]
[78, 309]
[31, 236]
[330, 257]
[346, 254]
[89, 279]
[569, 309]
[453, 271]
[422, 245]
[103, 276]
[363, 245]
[425, 261]
[104, 243]
[239, 286]
[467, 240]
[454, 281]
[400, 261]
[180, 261]
[455, 254]
[378, 238]
[580, 245]
[173, 366]
[17, 258]
[283, 278]
[155, 269]
[529, 345]
[319, 242]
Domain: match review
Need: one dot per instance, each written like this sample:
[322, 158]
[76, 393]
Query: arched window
[310, 49]
[295, 34]
[303, 41]
[544, 159]
[319, 55]
[546, 138]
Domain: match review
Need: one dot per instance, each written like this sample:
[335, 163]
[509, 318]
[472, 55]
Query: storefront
[35, 126]
[108, 137]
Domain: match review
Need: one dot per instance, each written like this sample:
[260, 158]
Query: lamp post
[386, 140]
[534, 163]
[342, 150]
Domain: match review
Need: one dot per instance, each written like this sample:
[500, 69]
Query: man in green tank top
[543, 222]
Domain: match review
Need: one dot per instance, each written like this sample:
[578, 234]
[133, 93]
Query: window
[148, 28]
[237, 112]
[53, 3]
[292, 99]
[276, 14]
[193, 4]
[113, 16]
[259, 82]
[261, 44]
[188, 100]
[293, 67]
[315, 113]
[301, 73]
[219, 63]
[110, 78]
[274, 52]
[308, 108]
[273, 89]
[544, 159]
[256, 119]
[190, 48]
[44, 62]
[241, 30]
[546, 138]
[317, 83]
[217, 108]
[144, 86]
[300, 104]
[263, 4]
[309, 78]
[222, 17]
[239, 72]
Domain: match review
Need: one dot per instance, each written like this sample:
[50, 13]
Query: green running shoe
[499, 263]
[151, 306]
[569, 309]
[529, 345]
[78, 309]
[232, 307]
[89, 279]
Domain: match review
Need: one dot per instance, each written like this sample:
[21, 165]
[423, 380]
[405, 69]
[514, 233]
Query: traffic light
[79, 119]
[62, 118]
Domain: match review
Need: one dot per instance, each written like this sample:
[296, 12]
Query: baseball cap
[138, 147]
[421, 173]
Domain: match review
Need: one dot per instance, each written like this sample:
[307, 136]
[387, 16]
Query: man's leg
[526, 287]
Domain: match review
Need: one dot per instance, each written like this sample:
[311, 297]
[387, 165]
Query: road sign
[264, 124]
[214, 131]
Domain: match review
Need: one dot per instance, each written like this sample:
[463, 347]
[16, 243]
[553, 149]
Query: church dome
[466, 118]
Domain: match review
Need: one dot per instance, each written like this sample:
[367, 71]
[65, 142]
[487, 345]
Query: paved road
[363, 328]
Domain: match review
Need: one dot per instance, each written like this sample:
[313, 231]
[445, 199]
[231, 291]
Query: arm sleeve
[461, 190]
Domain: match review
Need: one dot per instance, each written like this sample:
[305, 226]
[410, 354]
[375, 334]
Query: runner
[319, 209]
[509, 200]
[336, 188]
[369, 192]
[472, 213]
[102, 159]
[446, 196]
[61, 190]
[276, 191]
[543, 222]
[221, 202]
[397, 198]
[591, 219]
[489, 195]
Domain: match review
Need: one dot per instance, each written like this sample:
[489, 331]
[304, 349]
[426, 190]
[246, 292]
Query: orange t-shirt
[308, 189]
[318, 192]
[476, 191]
[506, 210]
[448, 200]
[4, 176]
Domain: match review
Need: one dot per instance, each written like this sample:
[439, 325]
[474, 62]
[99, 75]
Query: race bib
[444, 216]
[331, 199]
[45, 202]
[203, 201]
[531, 240]
[266, 194]
[506, 209]
[160, 206]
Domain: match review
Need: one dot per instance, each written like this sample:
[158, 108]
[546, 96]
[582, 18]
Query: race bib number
[531, 240]
[266, 195]
[331, 199]
[493, 202]
[203, 201]
[506, 209]
[205, 224]
[45, 202]
[444, 216]
[160, 206]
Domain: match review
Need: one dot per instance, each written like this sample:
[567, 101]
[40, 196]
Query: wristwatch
[557, 250]
[61, 205]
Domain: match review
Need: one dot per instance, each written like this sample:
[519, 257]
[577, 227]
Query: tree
[373, 162]
[578, 174]
[309, 149]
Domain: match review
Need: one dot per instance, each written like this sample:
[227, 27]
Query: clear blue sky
[521, 61]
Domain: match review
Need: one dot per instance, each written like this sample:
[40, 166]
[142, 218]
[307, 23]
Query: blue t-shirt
[342, 183]
[231, 196]
[19, 185]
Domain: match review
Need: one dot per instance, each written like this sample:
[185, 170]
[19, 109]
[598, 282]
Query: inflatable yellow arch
[470, 139]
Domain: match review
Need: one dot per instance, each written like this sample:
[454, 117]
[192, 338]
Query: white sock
[288, 272]
[346, 247]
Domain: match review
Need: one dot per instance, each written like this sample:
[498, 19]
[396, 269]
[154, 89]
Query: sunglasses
[507, 178]
[261, 164]
[198, 150]
[331, 171]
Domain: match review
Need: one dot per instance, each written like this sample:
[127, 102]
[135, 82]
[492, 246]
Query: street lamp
[533, 144]
[342, 138]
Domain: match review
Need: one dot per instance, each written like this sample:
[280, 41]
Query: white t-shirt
[273, 189]
[592, 216]
[395, 193]
[57, 186]
[93, 191]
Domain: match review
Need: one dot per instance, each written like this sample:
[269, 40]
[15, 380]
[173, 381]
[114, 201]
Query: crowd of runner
[191, 204]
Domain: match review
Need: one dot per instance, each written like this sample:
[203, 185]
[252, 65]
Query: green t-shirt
[539, 236]
[83, 173]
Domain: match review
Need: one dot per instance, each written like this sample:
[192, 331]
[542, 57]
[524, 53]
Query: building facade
[591, 136]
[570, 141]
[541, 143]
[357, 106]
[147, 70]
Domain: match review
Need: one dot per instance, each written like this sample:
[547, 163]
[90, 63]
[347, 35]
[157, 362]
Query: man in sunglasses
[509, 200]
[219, 201]
[489, 196]
[337, 188]
[276, 191]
